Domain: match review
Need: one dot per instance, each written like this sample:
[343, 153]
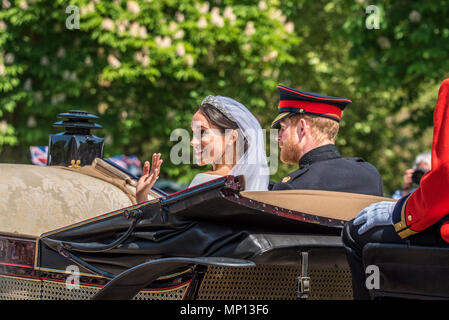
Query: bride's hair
[220, 120]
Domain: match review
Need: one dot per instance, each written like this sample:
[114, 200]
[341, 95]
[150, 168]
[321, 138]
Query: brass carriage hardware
[76, 164]
[305, 285]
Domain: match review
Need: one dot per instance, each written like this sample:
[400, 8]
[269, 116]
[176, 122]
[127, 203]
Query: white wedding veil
[253, 163]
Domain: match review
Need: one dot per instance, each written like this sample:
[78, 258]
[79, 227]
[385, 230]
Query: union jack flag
[130, 163]
[39, 155]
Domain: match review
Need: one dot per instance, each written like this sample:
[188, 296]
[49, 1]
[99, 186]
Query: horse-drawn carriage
[208, 242]
[76, 232]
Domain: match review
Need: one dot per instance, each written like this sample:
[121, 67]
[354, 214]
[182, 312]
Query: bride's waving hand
[148, 177]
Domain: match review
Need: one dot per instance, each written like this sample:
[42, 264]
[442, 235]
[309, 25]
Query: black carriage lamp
[76, 146]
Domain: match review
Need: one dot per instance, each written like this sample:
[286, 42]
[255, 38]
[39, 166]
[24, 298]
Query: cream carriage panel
[34, 199]
[329, 204]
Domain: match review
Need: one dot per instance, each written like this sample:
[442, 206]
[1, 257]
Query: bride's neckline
[218, 172]
[211, 174]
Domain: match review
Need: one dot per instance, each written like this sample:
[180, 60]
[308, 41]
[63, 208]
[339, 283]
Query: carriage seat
[408, 271]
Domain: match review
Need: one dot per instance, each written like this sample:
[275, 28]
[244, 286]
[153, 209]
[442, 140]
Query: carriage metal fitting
[131, 214]
[303, 284]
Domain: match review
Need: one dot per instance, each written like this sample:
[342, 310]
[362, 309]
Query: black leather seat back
[409, 271]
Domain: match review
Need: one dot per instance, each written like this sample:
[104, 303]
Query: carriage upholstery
[409, 271]
[210, 220]
[36, 199]
[216, 219]
[327, 204]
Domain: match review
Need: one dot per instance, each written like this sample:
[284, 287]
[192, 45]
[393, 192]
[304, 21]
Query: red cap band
[312, 107]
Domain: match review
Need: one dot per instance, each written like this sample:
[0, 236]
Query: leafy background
[144, 66]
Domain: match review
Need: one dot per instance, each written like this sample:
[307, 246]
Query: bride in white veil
[227, 136]
[247, 153]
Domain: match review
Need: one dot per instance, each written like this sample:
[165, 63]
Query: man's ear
[301, 128]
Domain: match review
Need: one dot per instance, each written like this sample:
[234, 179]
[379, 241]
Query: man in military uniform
[419, 218]
[309, 124]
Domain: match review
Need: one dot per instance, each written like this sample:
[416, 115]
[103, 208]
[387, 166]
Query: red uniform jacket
[430, 202]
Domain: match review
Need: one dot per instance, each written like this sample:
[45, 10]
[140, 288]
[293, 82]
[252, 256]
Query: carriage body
[67, 234]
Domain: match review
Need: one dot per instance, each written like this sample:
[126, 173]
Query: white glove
[375, 215]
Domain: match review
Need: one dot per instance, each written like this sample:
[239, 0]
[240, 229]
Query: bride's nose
[194, 141]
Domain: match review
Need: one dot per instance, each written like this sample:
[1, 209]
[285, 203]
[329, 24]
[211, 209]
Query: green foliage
[398, 72]
[144, 66]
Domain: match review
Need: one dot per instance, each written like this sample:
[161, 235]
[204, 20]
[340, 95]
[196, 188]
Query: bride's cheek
[202, 148]
[205, 140]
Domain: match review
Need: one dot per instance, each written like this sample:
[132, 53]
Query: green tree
[403, 63]
[143, 66]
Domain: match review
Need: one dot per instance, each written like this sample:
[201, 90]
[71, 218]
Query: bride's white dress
[203, 177]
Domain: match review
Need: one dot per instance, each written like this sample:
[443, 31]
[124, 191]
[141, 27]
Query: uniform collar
[326, 152]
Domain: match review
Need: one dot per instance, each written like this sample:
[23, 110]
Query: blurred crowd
[412, 177]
